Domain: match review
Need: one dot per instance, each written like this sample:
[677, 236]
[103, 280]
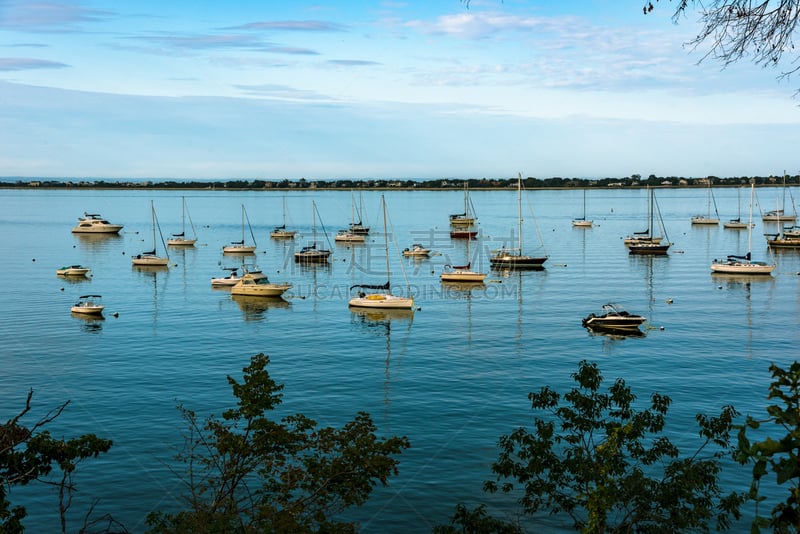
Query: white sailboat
[180, 239]
[513, 258]
[281, 232]
[779, 214]
[150, 258]
[240, 247]
[737, 224]
[707, 218]
[462, 273]
[744, 264]
[350, 235]
[383, 297]
[467, 217]
[583, 222]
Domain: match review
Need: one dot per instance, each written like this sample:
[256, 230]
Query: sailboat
[359, 227]
[281, 232]
[582, 222]
[737, 223]
[707, 218]
[653, 245]
[350, 235]
[383, 298]
[778, 214]
[240, 247]
[513, 258]
[310, 253]
[462, 273]
[180, 240]
[462, 224]
[151, 258]
[743, 264]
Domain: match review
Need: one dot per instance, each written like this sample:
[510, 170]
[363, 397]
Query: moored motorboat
[416, 250]
[258, 285]
[614, 319]
[348, 236]
[88, 305]
[93, 223]
[73, 270]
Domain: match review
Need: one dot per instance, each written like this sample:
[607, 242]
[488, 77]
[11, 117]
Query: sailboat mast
[386, 240]
[519, 210]
[750, 223]
[153, 223]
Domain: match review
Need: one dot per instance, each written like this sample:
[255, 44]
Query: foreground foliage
[249, 473]
[30, 454]
[605, 464]
[780, 456]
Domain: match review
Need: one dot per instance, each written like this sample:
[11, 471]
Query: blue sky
[393, 89]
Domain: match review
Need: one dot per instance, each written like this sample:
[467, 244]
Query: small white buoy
[669, 301]
[661, 328]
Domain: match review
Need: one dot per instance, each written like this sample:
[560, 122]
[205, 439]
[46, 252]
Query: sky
[379, 89]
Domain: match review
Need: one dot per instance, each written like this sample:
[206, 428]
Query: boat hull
[463, 234]
[648, 249]
[382, 301]
[704, 220]
[150, 261]
[260, 290]
[282, 234]
[736, 267]
[463, 276]
[239, 249]
[319, 256]
[785, 242]
[582, 223]
[181, 242]
[88, 310]
[514, 261]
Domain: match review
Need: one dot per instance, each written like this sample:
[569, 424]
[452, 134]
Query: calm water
[452, 378]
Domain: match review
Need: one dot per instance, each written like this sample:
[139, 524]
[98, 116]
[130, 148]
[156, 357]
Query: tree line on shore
[635, 180]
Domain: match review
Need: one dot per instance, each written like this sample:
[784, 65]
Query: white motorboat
[93, 223]
[258, 285]
[416, 250]
[348, 236]
[88, 305]
[73, 270]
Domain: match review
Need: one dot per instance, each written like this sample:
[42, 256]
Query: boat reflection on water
[460, 290]
[254, 308]
[90, 323]
[381, 317]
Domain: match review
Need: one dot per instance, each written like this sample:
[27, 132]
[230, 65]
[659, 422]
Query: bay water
[452, 376]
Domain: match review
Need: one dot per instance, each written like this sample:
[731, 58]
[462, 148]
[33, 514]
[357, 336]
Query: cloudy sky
[387, 89]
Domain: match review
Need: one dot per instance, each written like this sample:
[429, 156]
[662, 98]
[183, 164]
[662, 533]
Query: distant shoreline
[634, 181]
